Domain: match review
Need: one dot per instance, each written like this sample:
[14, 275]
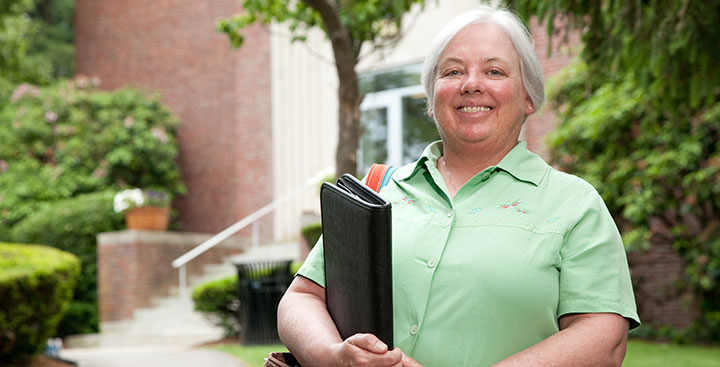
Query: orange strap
[376, 177]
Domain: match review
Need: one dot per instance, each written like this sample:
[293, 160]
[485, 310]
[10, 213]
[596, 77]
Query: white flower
[126, 199]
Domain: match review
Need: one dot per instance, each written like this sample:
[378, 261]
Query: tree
[53, 39]
[17, 64]
[639, 117]
[37, 43]
[350, 25]
[671, 45]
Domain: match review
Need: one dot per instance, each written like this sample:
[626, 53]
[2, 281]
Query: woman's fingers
[409, 362]
[368, 342]
[367, 350]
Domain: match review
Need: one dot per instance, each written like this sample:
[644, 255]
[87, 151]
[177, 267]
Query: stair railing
[181, 262]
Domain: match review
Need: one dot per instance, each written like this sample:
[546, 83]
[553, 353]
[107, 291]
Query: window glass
[394, 120]
[418, 128]
[392, 79]
[373, 145]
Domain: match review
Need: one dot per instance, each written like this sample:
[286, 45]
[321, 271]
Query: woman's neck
[464, 164]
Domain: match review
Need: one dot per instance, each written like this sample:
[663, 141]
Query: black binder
[358, 258]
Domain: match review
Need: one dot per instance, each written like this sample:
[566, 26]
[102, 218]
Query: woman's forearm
[307, 330]
[304, 325]
[593, 340]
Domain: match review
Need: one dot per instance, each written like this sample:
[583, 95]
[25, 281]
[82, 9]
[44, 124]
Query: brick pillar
[135, 266]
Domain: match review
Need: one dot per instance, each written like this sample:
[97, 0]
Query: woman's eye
[452, 73]
[495, 72]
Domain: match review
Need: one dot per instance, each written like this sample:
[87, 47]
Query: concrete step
[276, 251]
[171, 320]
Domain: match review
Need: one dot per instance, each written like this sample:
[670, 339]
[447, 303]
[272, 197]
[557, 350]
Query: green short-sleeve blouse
[486, 274]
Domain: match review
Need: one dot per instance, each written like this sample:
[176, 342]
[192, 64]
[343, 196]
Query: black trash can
[261, 284]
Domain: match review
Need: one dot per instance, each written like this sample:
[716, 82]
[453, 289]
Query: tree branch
[345, 56]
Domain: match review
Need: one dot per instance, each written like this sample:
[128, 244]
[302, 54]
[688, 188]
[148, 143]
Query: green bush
[72, 225]
[311, 233]
[36, 285]
[70, 138]
[656, 165]
[219, 298]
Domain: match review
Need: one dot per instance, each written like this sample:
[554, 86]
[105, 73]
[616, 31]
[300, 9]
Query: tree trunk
[348, 89]
[349, 128]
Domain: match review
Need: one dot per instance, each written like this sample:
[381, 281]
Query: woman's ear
[430, 113]
[529, 107]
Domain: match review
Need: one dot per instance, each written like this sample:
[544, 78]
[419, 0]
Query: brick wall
[541, 123]
[135, 266]
[222, 96]
[656, 275]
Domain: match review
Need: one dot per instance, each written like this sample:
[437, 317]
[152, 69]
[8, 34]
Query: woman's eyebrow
[449, 60]
[490, 59]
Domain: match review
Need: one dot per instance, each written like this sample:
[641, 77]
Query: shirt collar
[522, 164]
[431, 154]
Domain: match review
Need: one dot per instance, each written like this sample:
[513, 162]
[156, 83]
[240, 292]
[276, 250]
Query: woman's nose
[473, 84]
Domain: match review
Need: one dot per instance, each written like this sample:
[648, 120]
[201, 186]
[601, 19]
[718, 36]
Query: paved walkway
[151, 356]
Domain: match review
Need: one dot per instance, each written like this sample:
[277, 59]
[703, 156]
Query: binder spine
[383, 292]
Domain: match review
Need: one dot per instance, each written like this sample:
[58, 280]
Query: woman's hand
[366, 350]
[409, 362]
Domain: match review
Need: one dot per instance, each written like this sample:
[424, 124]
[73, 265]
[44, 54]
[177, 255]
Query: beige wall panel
[304, 118]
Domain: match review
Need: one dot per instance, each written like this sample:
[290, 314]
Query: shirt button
[431, 263]
[414, 329]
[450, 214]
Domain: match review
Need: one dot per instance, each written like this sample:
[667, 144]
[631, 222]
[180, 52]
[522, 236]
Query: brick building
[222, 96]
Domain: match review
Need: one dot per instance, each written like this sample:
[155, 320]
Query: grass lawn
[254, 355]
[646, 354]
[639, 354]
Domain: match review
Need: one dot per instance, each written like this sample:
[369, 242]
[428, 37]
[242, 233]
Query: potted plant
[143, 209]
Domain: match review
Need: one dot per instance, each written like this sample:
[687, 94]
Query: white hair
[532, 74]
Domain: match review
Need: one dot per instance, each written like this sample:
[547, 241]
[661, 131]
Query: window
[395, 124]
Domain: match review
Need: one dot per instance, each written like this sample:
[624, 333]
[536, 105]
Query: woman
[498, 259]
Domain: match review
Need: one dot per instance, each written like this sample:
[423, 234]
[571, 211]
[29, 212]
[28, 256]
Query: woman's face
[479, 95]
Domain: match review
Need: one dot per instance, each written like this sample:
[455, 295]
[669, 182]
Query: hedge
[36, 285]
[72, 225]
[311, 233]
[219, 298]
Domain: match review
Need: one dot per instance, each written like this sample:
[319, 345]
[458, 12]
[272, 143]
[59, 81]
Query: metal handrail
[181, 261]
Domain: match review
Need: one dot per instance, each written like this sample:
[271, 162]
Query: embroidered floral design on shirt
[553, 219]
[514, 205]
[475, 210]
[429, 208]
[406, 200]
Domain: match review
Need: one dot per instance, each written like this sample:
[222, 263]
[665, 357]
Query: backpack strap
[379, 176]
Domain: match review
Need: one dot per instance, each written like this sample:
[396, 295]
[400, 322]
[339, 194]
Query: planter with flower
[143, 209]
